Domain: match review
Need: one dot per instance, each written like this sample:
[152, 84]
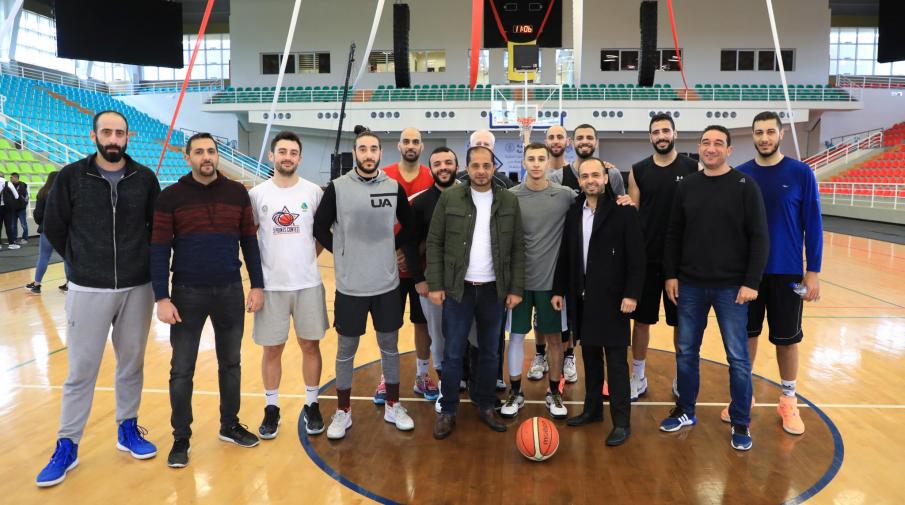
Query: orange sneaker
[788, 410]
[724, 415]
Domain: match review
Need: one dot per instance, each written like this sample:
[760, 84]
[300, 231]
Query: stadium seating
[882, 175]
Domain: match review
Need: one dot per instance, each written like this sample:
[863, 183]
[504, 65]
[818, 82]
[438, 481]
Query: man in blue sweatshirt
[792, 201]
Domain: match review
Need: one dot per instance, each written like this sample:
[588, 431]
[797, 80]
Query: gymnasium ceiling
[193, 10]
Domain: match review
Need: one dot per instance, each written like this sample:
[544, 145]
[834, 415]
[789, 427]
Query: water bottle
[799, 289]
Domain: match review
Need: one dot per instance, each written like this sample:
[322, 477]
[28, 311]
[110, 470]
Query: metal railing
[200, 85]
[55, 77]
[822, 94]
[37, 142]
[870, 81]
[844, 151]
[854, 137]
[256, 171]
[861, 194]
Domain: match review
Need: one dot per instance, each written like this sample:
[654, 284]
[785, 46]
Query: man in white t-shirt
[283, 208]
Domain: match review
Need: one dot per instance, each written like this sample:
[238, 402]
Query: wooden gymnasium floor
[852, 453]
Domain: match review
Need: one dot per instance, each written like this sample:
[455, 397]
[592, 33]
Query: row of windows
[615, 60]
[853, 51]
[756, 59]
[296, 63]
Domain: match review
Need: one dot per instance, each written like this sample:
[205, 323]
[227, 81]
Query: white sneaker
[14, 246]
[675, 387]
[555, 405]
[538, 367]
[399, 416]
[638, 387]
[342, 421]
[513, 404]
[569, 371]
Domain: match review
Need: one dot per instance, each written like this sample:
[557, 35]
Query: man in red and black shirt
[414, 178]
[204, 219]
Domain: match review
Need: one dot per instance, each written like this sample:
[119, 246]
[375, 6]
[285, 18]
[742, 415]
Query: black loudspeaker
[525, 57]
[650, 59]
[401, 22]
[891, 44]
[340, 164]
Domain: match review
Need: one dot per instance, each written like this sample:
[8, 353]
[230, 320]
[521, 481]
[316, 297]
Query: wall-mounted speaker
[650, 58]
[401, 23]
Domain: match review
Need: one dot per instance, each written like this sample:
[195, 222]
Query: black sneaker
[34, 289]
[179, 454]
[30, 285]
[314, 423]
[238, 434]
[64, 287]
[270, 426]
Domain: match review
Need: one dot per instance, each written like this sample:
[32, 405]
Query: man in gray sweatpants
[98, 217]
[362, 208]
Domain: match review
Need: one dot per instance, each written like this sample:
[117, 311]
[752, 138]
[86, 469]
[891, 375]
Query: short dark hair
[766, 116]
[108, 111]
[199, 136]
[476, 148]
[533, 146]
[14, 174]
[584, 126]
[592, 158]
[285, 135]
[661, 117]
[719, 128]
[365, 133]
[444, 149]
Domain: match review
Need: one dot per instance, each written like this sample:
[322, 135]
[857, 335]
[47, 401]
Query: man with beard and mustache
[443, 165]
[792, 201]
[283, 208]
[652, 184]
[355, 221]
[585, 143]
[204, 219]
[98, 217]
[475, 270]
[414, 178]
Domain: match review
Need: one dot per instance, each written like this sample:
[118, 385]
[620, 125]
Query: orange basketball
[537, 439]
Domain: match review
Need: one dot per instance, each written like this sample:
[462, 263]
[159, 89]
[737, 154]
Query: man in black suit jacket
[601, 267]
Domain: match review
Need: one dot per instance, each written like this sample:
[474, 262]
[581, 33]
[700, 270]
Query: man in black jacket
[98, 218]
[601, 267]
[715, 252]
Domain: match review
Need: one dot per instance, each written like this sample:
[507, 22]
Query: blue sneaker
[131, 439]
[65, 458]
[741, 437]
[380, 394]
[677, 419]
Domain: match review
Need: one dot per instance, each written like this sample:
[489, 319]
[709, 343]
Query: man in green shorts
[543, 207]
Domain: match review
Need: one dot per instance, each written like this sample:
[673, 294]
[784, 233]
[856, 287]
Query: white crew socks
[638, 368]
[422, 365]
[272, 396]
[311, 394]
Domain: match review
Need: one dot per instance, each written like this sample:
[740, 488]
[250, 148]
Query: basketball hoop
[525, 125]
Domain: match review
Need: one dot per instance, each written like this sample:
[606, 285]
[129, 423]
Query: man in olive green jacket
[476, 270]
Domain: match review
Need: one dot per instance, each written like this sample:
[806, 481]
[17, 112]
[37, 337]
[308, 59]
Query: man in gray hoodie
[355, 222]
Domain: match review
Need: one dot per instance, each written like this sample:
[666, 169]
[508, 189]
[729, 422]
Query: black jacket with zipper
[106, 246]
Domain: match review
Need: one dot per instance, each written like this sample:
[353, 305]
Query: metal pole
[335, 163]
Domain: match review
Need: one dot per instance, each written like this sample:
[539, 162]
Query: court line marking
[831, 283]
[108, 389]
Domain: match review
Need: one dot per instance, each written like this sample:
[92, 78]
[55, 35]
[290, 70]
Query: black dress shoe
[618, 436]
[490, 419]
[584, 418]
[444, 426]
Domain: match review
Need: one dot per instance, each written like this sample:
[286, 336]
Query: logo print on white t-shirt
[285, 222]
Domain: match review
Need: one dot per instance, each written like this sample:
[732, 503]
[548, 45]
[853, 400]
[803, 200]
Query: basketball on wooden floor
[537, 438]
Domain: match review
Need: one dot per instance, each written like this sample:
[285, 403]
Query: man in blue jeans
[716, 250]
[475, 268]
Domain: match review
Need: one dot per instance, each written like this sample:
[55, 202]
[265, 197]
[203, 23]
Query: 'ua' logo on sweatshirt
[381, 200]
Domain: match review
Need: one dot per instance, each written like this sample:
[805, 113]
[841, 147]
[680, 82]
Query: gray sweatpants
[90, 316]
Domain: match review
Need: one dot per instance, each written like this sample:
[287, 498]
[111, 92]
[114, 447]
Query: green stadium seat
[14, 155]
[28, 156]
[3, 155]
[4, 144]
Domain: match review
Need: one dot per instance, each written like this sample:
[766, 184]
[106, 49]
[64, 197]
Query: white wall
[705, 27]
[882, 109]
[160, 106]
